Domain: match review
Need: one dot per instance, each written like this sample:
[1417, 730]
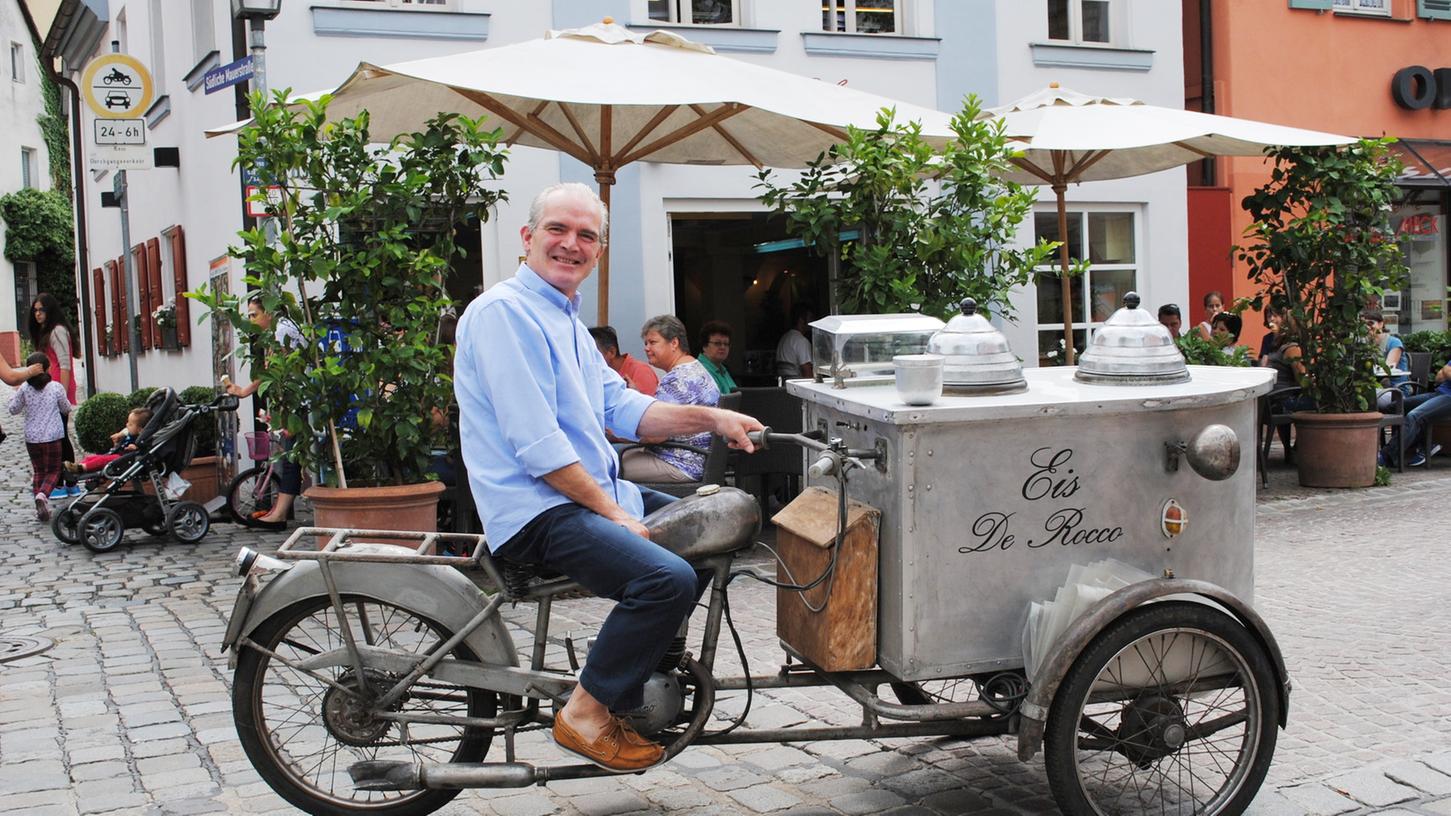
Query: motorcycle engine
[664, 700]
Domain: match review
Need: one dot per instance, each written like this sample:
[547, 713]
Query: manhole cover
[14, 648]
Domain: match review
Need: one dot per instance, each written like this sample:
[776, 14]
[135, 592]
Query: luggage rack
[410, 547]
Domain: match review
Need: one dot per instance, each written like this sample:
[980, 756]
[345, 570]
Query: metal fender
[436, 592]
[1034, 709]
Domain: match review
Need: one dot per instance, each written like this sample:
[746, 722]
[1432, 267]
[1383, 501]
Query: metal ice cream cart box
[988, 501]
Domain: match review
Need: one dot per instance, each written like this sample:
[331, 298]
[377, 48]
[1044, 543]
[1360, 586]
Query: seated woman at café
[686, 382]
[1224, 330]
[1396, 366]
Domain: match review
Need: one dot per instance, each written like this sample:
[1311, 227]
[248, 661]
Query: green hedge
[138, 398]
[99, 417]
[1437, 343]
[205, 427]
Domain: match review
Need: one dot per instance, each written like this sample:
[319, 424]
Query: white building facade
[687, 240]
[24, 162]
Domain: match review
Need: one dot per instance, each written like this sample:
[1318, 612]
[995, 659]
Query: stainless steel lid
[978, 359]
[1132, 348]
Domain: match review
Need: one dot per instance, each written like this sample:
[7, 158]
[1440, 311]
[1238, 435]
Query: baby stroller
[116, 499]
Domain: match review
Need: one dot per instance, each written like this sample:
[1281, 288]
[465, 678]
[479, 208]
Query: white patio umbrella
[608, 96]
[1073, 137]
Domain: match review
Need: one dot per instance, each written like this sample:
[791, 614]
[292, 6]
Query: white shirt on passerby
[793, 351]
[44, 409]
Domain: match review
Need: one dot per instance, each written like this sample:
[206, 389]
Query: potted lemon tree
[364, 238]
[1319, 247]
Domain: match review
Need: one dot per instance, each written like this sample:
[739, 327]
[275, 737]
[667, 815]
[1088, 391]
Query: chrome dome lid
[977, 357]
[1132, 348]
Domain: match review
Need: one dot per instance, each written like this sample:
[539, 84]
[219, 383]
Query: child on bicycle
[44, 403]
[121, 441]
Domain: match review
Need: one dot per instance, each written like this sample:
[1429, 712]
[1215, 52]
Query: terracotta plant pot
[202, 473]
[1336, 450]
[412, 507]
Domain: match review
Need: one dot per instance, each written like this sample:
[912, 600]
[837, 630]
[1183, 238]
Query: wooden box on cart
[833, 625]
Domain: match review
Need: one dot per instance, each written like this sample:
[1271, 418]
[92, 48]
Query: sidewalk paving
[129, 713]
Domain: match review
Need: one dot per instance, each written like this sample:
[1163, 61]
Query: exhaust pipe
[392, 775]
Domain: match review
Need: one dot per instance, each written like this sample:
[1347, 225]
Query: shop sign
[1421, 227]
[1417, 87]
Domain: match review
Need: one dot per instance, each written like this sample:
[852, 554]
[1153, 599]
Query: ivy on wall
[53, 130]
[38, 228]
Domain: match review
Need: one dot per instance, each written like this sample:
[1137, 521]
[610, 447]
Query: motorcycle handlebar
[764, 439]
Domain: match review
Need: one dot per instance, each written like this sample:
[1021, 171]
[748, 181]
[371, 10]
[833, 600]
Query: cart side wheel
[302, 730]
[101, 529]
[188, 522]
[1171, 709]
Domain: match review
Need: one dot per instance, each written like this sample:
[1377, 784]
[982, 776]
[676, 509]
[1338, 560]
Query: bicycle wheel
[301, 732]
[252, 490]
[1171, 709]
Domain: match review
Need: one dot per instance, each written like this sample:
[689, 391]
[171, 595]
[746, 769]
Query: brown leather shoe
[618, 748]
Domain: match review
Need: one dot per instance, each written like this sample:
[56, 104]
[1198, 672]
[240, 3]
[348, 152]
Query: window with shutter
[1434, 9]
[153, 283]
[140, 263]
[98, 305]
[178, 271]
[122, 332]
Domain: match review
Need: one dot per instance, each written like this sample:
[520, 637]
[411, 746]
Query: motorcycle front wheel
[301, 732]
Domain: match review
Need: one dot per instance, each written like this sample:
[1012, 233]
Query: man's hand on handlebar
[734, 427]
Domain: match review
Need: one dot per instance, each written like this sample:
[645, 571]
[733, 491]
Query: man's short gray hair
[536, 209]
[669, 327]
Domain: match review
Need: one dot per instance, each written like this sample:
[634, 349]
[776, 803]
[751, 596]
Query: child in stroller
[121, 441]
[116, 498]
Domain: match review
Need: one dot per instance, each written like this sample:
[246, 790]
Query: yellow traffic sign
[117, 86]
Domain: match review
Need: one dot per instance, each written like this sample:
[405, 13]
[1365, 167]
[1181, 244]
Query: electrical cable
[745, 665]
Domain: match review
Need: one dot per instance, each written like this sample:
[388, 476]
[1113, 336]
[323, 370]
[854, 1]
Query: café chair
[716, 458]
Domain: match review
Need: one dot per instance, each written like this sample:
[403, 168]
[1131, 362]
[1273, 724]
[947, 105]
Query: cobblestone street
[129, 711]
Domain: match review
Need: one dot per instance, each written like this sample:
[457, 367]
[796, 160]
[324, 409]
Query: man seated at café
[686, 382]
[793, 352]
[715, 347]
[636, 374]
[1430, 408]
[1172, 319]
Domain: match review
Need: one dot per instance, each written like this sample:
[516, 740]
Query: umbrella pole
[606, 181]
[1061, 190]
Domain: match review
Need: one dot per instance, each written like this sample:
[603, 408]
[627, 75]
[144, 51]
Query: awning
[1427, 161]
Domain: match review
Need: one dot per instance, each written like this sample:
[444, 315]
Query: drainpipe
[1206, 77]
[78, 181]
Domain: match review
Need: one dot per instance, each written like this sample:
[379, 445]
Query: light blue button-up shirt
[534, 396]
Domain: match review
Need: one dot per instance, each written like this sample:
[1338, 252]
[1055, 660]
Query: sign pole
[133, 330]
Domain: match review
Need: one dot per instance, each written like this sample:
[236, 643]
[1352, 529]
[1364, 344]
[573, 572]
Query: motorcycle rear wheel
[301, 734]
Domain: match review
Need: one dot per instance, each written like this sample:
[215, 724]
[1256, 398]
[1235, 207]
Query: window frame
[157, 29]
[29, 168]
[1075, 25]
[1354, 7]
[17, 62]
[848, 13]
[203, 30]
[675, 9]
[1083, 307]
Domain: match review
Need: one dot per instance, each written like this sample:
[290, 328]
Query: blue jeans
[1423, 410]
[654, 590]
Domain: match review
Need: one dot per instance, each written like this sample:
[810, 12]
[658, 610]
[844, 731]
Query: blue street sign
[224, 76]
